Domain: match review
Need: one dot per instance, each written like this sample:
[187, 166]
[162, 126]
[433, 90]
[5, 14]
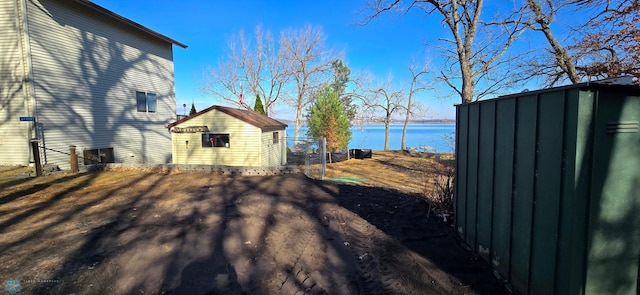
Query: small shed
[548, 187]
[228, 136]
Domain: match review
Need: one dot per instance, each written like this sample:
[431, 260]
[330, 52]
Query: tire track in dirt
[377, 230]
[294, 251]
[357, 236]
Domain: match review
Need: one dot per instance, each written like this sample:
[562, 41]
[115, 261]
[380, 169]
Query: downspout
[26, 83]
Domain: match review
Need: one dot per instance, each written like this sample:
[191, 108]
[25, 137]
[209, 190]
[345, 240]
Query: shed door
[614, 228]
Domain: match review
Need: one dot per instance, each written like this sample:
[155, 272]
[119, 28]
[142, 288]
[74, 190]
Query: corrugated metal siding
[86, 70]
[613, 240]
[524, 175]
[472, 181]
[485, 178]
[547, 189]
[14, 135]
[503, 185]
[462, 141]
[560, 189]
[244, 139]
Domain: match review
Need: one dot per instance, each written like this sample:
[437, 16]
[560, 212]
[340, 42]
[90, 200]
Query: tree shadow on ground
[365, 241]
[407, 220]
[204, 233]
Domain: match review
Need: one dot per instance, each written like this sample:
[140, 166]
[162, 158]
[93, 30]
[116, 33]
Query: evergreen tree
[340, 79]
[327, 118]
[258, 107]
[193, 109]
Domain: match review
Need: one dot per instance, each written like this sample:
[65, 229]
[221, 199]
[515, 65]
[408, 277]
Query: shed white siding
[87, 69]
[273, 154]
[14, 135]
[244, 142]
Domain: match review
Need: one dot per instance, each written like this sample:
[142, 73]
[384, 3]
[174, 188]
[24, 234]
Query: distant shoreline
[395, 122]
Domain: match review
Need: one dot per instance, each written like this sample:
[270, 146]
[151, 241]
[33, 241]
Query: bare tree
[380, 102]
[542, 15]
[259, 65]
[307, 61]
[474, 69]
[416, 85]
[611, 46]
[605, 46]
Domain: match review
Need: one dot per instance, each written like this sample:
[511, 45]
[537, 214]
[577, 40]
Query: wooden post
[36, 156]
[74, 159]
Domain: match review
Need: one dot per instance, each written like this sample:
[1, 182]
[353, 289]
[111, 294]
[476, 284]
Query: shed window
[276, 137]
[146, 102]
[215, 140]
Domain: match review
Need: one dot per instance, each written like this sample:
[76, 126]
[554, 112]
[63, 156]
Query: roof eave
[122, 19]
[225, 110]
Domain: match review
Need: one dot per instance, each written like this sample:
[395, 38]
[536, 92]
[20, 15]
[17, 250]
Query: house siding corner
[86, 72]
[14, 134]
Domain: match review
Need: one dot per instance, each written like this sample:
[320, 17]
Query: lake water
[371, 136]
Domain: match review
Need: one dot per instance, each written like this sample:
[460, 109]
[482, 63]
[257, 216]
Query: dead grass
[397, 170]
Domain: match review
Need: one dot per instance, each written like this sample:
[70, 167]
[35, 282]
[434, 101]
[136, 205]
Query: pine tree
[258, 107]
[339, 84]
[327, 118]
[193, 109]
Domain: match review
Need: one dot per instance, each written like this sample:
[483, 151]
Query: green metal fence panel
[572, 264]
[571, 235]
[524, 173]
[614, 237]
[567, 197]
[549, 182]
[547, 191]
[503, 185]
[462, 141]
[485, 178]
[472, 175]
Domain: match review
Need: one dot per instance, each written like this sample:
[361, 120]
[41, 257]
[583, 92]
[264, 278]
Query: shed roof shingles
[256, 119]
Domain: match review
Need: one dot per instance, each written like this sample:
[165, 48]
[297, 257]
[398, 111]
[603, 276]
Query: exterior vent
[623, 127]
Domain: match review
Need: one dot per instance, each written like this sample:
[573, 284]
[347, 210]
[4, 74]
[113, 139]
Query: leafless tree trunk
[543, 14]
[599, 51]
[307, 62]
[382, 98]
[415, 86]
[476, 69]
[259, 66]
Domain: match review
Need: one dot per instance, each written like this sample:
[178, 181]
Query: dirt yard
[139, 232]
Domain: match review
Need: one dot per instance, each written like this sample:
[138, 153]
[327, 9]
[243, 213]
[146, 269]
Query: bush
[439, 189]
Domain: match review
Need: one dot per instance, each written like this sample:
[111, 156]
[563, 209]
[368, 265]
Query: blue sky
[387, 45]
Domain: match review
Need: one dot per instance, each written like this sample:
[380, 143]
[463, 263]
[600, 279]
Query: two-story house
[75, 73]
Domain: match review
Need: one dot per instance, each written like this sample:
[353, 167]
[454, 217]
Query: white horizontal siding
[86, 71]
[273, 154]
[14, 135]
[244, 138]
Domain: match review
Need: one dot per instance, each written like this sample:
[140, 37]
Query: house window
[141, 99]
[146, 102]
[276, 137]
[151, 102]
[215, 140]
[95, 156]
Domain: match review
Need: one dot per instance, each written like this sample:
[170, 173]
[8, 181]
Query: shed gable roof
[128, 22]
[256, 119]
